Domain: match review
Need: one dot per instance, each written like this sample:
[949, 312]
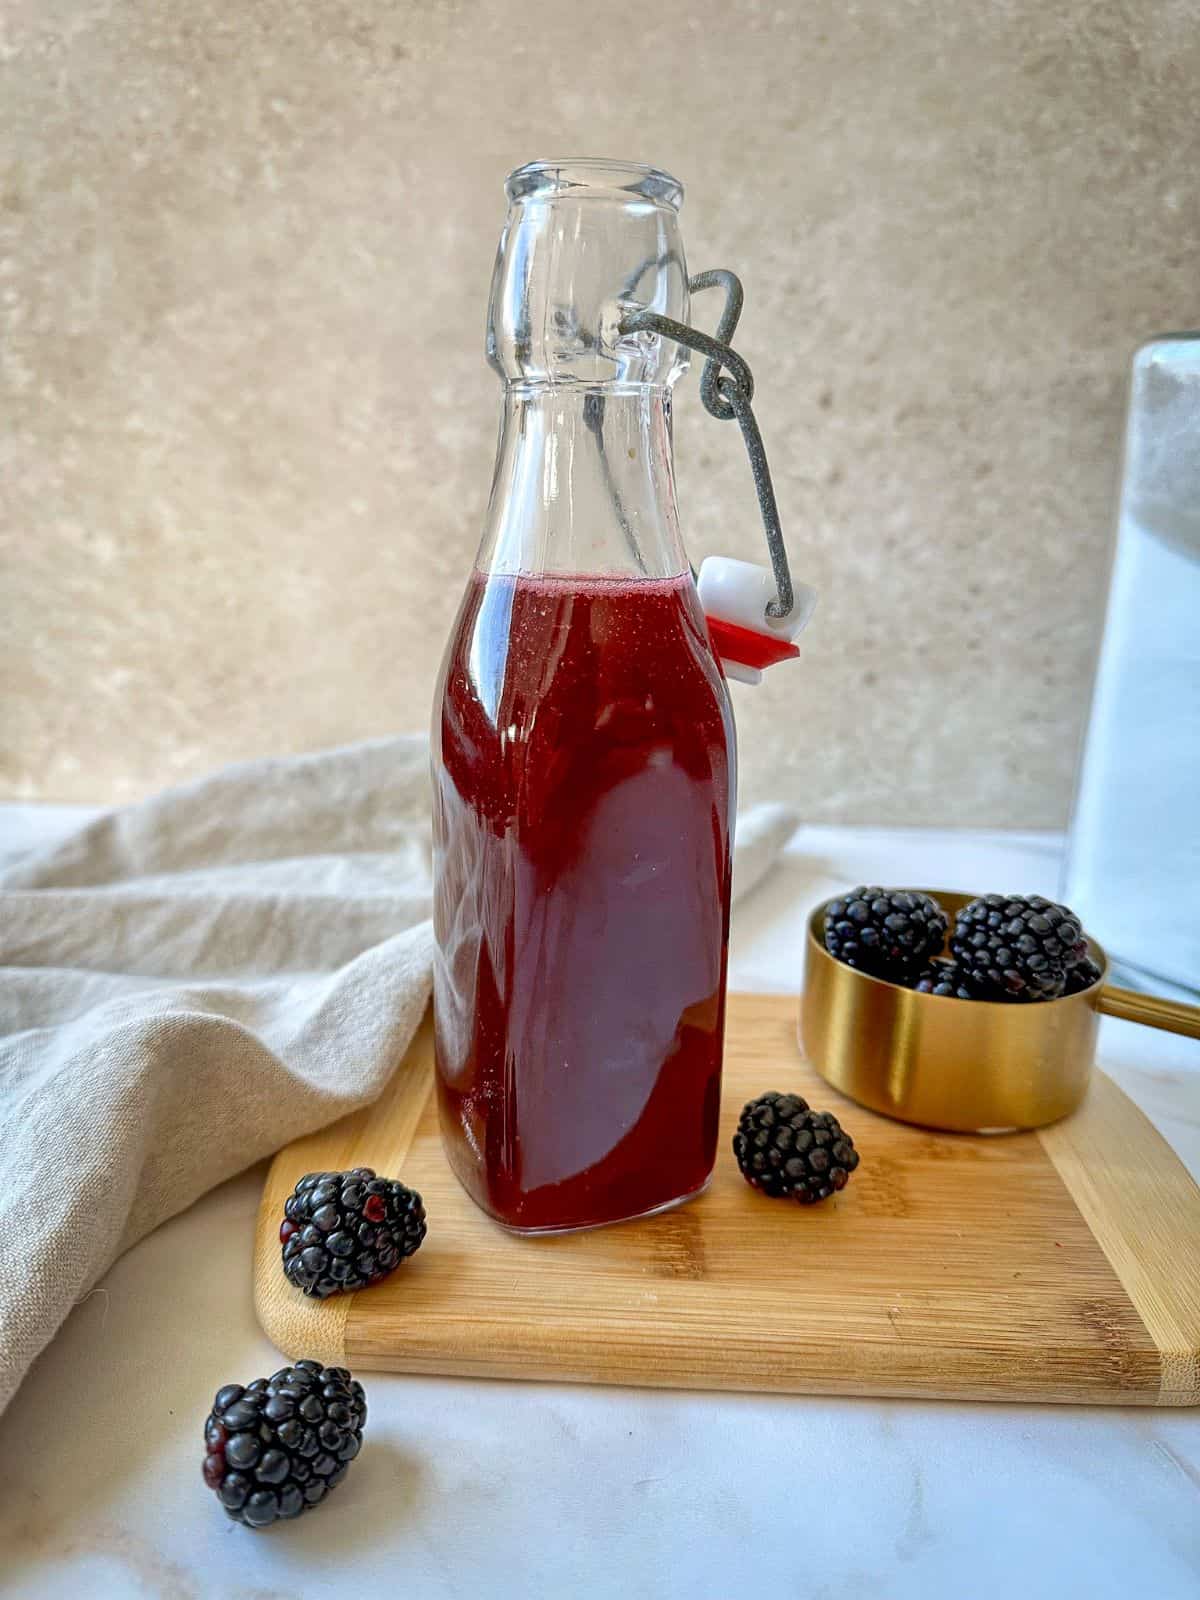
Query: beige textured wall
[246, 428]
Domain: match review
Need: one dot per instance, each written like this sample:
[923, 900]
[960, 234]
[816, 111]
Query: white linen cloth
[189, 983]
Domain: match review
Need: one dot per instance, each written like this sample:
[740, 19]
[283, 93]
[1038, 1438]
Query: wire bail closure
[727, 390]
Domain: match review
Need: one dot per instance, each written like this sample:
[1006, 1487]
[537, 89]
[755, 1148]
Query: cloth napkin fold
[190, 983]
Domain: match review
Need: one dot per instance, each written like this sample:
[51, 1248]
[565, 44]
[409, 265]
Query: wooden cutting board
[1061, 1265]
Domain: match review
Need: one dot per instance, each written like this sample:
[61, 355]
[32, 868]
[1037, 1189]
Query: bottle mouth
[584, 176]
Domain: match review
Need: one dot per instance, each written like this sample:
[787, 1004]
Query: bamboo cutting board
[1061, 1265]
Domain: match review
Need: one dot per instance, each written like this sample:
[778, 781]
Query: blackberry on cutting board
[1017, 947]
[792, 1152]
[345, 1230]
[889, 933]
[278, 1446]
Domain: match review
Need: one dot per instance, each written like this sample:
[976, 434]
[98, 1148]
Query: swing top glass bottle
[583, 743]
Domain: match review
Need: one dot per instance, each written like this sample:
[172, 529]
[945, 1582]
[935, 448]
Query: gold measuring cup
[969, 1066]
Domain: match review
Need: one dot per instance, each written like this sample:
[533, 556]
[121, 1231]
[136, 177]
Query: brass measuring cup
[969, 1066]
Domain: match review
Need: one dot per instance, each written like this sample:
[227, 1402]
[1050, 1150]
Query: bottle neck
[584, 483]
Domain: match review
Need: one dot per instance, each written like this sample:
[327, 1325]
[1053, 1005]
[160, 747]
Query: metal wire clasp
[727, 389]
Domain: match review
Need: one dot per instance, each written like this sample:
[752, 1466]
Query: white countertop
[541, 1490]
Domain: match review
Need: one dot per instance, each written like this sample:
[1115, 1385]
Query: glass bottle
[583, 744]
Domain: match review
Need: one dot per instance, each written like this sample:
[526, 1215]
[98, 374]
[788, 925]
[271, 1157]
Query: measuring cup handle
[1173, 1016]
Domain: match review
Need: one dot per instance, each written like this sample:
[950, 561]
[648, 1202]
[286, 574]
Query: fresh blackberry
[1083, 976]
[944, 978]
[890, 933]
[278, 1446]
[344, 1230]
[1017, 947]
[790, 1152]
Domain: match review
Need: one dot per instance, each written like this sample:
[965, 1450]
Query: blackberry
[1083, 976]
[1017, 947]
[944, 978]
[790, 1152]
[277, 1447]
[890, 933]
[345, 1230]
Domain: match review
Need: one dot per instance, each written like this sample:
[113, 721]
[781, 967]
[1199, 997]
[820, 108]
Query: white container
[1133, 868]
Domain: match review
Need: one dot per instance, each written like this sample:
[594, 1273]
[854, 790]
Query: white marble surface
[529, 1491]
